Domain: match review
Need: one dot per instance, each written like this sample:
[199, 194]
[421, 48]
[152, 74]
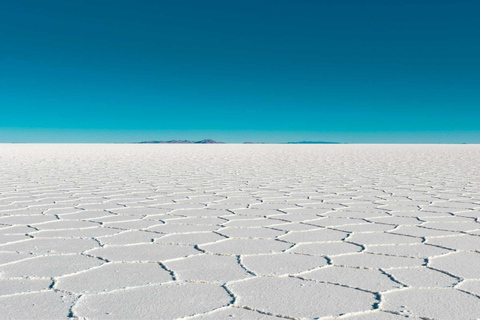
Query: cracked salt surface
[366, 232]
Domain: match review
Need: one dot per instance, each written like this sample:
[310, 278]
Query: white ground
[244, 231]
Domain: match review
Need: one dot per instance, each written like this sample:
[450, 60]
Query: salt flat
[243, 231]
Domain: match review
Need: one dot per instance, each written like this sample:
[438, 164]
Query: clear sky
[333, 70]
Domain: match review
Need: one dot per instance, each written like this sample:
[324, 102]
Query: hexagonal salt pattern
[239, 231]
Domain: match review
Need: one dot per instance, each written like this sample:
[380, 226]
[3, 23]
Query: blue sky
[349, 71]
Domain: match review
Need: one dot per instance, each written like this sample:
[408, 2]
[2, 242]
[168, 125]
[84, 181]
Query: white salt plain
[240, 231]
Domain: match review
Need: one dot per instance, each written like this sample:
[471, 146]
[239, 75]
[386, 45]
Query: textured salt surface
[239, 231]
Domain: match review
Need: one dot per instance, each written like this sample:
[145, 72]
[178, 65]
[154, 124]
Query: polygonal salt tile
[294, 227]
[404, 221]
[236, 217]
[277, 206]
[423, 277]
[204, 198]
[408, 250]
[113, 276]
[65, 224]
[365, 260]
[140, 211]
[361, 206]
[335, 222]
[100, 206]
[392, 208]
[207, 268]
[318, 299]
[420, 214]
[37, 305]
[356, 214]
[43, 246]
[371, 280]
[133, 225]
[198, 220]
[258, 232]
[454, 204]
[150, 252]
[365, 228]
[117, 218]
[24, 220]
[250, 223]
[323, 205]
[448, 218]
[402, 202]
[453, 226]
[370, 315]
[176, 206]
[196, 238]
[326, 248]
[441, 304]
[84, 215]
[49, 266]
[129, 237]
[202, 213]
[231, 206]
[472, 286]
[460, 264]
[475, 214]
[245, 246]
[282, 263]
[12, 286]
[75, 233]
[320, 235]
[186, 228]
[9, 238]
[234, 313]
[381, 238]
[21, 230]
[415, 231]
[461, 242]
[292, 217]
[442, 211]
[165, 218]
[177, 300]
[7, 257]
[305, 211]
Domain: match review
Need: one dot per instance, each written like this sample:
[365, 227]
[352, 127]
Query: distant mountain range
[313, 142]
[248, 142]
[210, 141]
[204, 141]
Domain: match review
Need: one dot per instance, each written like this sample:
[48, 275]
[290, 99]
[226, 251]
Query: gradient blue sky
[348, 71]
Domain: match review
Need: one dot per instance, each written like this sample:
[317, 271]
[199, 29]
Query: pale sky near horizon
[273, 71]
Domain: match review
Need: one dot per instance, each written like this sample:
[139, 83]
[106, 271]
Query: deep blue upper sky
[350, 71]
